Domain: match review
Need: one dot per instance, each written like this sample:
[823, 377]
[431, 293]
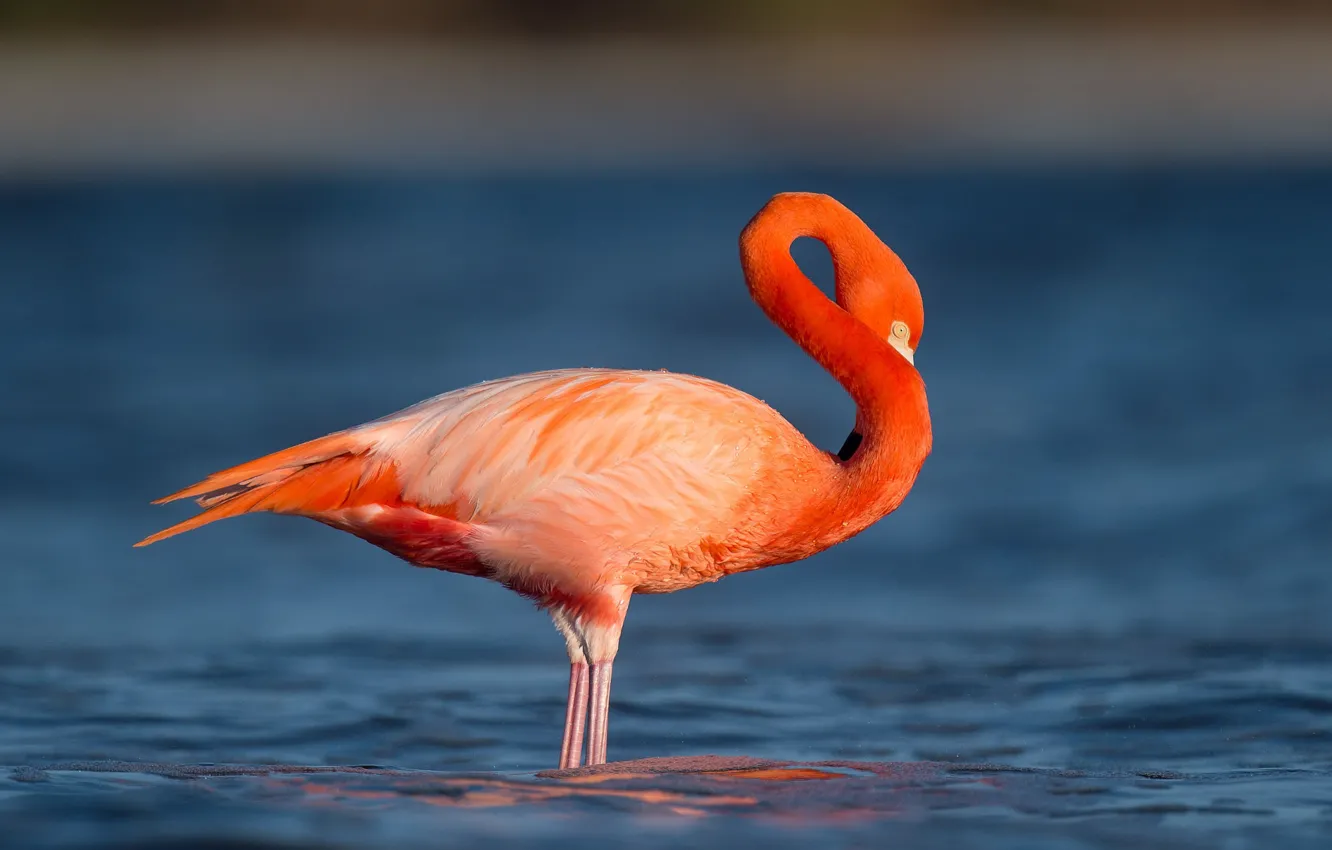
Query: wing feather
[617, 458]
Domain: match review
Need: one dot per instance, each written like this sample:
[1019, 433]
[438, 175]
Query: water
[1099, 619]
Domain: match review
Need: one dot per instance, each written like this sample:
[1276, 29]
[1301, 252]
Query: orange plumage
[581, 487]
[314, 478]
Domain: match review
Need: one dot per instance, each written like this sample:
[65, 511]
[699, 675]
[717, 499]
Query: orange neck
[892, 415]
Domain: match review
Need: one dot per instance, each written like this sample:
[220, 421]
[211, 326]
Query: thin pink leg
[596, 733]
[575, 716]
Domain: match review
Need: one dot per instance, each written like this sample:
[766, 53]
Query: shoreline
[983, 99]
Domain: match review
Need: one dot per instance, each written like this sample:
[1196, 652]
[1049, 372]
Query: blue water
[1104, 603]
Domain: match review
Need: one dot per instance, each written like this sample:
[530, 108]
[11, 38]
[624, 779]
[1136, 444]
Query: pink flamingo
[578, 488]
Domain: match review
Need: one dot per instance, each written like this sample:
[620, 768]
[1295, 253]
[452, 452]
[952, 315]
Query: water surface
[1099, 619]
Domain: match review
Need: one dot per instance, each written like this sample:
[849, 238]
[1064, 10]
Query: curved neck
[888, 391]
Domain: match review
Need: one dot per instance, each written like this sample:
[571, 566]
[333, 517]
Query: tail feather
[323, 475]
[297, 456]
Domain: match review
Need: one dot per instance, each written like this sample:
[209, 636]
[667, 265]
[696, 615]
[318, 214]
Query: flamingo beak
[905, 350]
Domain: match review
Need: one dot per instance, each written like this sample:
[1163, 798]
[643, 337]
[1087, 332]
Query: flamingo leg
[575, 716]
[596, 734]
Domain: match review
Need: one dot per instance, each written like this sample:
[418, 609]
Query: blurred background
[226, 227]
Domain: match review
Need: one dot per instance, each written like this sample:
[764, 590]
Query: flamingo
[578, 488]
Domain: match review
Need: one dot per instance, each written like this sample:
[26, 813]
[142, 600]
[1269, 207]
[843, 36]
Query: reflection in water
[710, 785]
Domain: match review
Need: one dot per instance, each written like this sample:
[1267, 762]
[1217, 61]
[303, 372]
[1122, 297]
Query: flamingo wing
[566, 472]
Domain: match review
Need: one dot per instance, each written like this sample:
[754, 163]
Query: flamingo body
[574, 479]
[580, 487]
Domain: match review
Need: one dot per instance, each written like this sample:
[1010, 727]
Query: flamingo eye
[900, 330]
